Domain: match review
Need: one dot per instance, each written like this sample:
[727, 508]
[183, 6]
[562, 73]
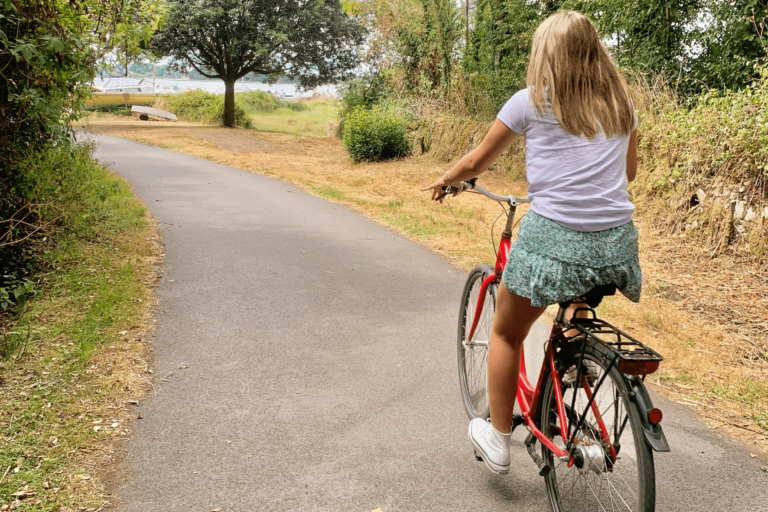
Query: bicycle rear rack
[634, 358]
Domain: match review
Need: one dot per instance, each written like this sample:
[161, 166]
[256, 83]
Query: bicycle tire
[472, 357]
[630, 483]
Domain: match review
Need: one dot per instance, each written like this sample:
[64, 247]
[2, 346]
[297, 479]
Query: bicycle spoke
[600, 484]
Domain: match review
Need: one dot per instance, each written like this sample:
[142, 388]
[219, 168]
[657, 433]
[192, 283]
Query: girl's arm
[479, 159]
[632, 157]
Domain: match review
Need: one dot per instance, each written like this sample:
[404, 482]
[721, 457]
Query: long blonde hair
[570, 68]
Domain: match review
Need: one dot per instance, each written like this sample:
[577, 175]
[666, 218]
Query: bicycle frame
[527, 395]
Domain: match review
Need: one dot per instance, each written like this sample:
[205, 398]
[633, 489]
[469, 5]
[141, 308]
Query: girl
[580, 132]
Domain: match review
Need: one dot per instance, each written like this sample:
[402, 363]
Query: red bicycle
[589, 410]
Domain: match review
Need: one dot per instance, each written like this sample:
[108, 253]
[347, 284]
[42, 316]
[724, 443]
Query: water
[287, 91]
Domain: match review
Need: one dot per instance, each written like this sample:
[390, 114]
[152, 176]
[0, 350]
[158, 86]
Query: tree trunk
[229, 103]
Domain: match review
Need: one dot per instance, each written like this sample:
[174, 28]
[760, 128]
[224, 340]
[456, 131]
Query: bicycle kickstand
[530, 443]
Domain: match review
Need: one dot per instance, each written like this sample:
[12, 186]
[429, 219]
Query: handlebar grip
[461, 188]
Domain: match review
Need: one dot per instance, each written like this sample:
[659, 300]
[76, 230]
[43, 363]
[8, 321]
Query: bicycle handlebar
[472, 185]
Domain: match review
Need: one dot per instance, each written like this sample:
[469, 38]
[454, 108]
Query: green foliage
[262, 101]
[732, 45]
[118, 110]
[48, 52]
[363, 92]
[15, 291]
[202, 107]
[700, 44]
[500, 44]
[315, 41]
[425, 34]
[376, 134]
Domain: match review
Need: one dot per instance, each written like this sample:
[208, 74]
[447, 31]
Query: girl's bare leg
[513, 319]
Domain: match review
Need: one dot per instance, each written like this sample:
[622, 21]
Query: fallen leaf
[115, 425]
[764, 468]
[19, 462]
[183, 367]
[26, 493]
[98, 421]
[96, 428]
[752, 455]
[47, 484]
[123, 333]
[139, 417]
[217, 510]
[83, 477]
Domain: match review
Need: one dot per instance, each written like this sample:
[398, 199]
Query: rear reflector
[654, 416]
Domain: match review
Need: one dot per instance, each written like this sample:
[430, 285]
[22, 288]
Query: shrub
[360, 93]
[257, 101]
[202, 107]
[262, 101]
[296, 106]
[118, 110]
[375, 134]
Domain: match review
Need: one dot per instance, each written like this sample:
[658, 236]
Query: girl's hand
[437, 189]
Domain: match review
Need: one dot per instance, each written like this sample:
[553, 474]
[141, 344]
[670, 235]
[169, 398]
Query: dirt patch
[235, 141]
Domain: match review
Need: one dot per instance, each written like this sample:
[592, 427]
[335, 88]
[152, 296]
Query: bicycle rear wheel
[473, 353]
[628, 484]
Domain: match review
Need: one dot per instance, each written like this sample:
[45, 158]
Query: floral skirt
[549, 263]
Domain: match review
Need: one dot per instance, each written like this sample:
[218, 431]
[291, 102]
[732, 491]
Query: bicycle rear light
[654, 416]
[638, 367]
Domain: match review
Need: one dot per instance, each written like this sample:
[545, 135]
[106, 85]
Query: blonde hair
[570, 68]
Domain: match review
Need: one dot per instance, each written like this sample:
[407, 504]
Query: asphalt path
[320, 361]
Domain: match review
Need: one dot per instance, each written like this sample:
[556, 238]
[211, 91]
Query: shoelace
[485, 429]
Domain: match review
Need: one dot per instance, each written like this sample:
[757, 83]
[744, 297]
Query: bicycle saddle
[593, 297]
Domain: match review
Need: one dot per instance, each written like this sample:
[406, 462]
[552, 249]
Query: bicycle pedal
[478, 457]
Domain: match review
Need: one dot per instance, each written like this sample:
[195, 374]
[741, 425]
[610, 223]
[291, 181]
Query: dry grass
[714, 357]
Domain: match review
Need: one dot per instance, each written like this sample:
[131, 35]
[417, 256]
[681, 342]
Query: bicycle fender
[654, 435]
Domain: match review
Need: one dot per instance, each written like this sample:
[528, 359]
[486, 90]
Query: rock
[738, 212]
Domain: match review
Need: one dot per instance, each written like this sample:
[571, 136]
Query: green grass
[313, 121]
[51, 390]
[328, 191]
[680, 377]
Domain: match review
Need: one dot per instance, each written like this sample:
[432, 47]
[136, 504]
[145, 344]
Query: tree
[731, 42]
[496, 60]
[647, 35]
[313, 40]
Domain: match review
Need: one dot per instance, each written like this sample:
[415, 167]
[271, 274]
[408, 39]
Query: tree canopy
[312, 40]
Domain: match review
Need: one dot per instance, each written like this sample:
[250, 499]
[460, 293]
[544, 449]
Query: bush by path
[376, 134]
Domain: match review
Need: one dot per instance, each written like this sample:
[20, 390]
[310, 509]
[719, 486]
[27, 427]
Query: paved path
[322, 368]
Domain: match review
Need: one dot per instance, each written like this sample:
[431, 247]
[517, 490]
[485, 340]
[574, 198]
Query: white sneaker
[490, 445]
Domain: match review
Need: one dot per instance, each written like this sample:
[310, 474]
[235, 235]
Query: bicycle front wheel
[473, 353]
[594, 478]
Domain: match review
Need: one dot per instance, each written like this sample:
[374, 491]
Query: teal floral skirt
[549, 263]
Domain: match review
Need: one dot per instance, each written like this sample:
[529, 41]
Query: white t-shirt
[574, 181]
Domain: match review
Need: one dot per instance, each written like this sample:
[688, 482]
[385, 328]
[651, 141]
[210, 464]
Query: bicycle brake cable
[493, 240]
